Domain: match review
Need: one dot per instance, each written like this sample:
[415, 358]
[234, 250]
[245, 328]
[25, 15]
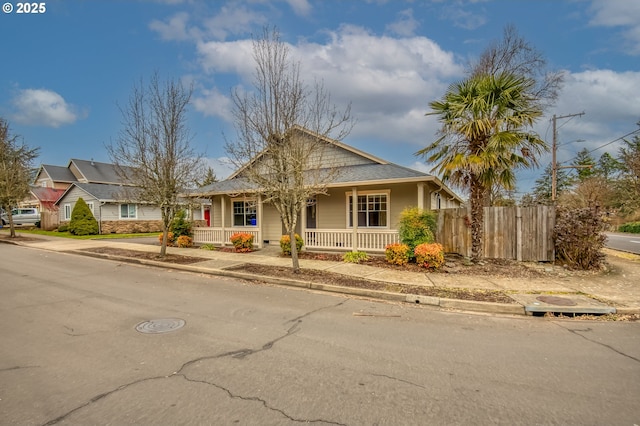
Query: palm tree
[484, 138]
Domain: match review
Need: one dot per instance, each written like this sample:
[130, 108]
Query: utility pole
[554, 163]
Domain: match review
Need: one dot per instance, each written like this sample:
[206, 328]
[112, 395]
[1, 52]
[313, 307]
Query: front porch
[358, 239]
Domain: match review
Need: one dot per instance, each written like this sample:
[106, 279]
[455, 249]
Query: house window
[245, 213]
[128, 211]
[373, 210]
[67, 212]
[90, 205]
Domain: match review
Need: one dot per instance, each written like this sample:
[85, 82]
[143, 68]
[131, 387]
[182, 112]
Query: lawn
[33, 231]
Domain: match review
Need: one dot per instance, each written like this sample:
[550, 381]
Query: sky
[68, 69]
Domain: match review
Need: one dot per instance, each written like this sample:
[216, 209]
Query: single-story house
[115, 214]
[359, 211]
[108, 204]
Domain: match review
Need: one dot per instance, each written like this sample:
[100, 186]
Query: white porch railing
[371, 240]
[220, 236]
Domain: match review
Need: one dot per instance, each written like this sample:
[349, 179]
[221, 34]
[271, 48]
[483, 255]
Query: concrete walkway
[616, 291]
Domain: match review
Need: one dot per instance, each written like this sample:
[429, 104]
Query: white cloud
[213, 104]
[233, 20]
[41, 107]
[619, 13]
[461, 17]
[174, 29]
[406, 25]
[300, 7]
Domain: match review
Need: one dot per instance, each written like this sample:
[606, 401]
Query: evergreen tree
[209, 178]
[607, 166]
[543, 186]
[82, 220]
[584, 163]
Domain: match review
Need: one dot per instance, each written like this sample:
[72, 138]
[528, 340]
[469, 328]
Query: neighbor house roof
[95, 172]
[46, 196]
[57, 173]
[108, 193]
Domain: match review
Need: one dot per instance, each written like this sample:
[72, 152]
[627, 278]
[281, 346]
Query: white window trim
[66, 208]
[90, 205]
[245, 200]
[127, 218]
[386, 192]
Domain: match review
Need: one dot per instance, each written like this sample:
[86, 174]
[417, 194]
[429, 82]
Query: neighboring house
[44, 199]
[109, 205]
[359, 212]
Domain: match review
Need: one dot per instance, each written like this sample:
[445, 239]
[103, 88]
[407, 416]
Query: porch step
[564, 304]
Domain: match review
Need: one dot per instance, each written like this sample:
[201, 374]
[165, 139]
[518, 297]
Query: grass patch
[80, 237]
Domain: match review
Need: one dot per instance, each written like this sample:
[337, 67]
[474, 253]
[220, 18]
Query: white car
[23, 216]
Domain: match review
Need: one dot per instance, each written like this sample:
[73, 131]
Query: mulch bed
[169, 258]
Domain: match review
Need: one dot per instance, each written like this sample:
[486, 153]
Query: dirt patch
[146, 255]
[332, 278]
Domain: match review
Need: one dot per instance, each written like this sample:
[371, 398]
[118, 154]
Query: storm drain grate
[164, 325]
[555, 300]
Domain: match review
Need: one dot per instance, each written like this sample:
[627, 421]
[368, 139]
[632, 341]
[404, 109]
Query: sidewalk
[619, 288]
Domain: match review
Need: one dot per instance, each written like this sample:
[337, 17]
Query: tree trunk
[477, 219]
[295, 263]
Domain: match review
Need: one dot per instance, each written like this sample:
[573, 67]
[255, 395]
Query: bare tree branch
[153, 152]
[282, 129]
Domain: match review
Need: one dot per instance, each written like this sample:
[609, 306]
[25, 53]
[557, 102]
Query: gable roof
[104, 192]
[357, 156]
[372, 170]
[56, 173]
[90, 171]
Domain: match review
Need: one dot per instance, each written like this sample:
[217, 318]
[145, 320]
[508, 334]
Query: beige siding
[71, 198]
[271, 224]
[332, 209]
[216, 212]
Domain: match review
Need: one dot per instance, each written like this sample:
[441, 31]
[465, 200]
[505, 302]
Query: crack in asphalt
[18, 367]
[237, 354]
[399, 380]
[260, 400]
[577, 333]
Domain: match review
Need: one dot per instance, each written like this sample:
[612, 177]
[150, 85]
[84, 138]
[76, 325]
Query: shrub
[429, 255]
[397, 253]
[355, 257]
[416, 227]
[242, 242]
[170, 238]
[82, 220]
[208, 247]
[632, 227]
[180, 225]
[63, 228]
[184, 241]
[578, 237]
[285, 244]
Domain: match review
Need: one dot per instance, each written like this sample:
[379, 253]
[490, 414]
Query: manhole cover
[555, 300]
[164, 325]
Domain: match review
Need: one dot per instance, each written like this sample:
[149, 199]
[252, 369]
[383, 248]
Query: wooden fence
[521, 233]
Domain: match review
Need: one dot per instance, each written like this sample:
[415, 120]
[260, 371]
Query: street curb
[464, 305]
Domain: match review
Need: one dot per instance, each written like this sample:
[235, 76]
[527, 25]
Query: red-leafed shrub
[184, 241]
[242, 242]
[397, 253]
[429, 255]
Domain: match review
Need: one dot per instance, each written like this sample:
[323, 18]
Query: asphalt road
[254, 354]
[625, 242]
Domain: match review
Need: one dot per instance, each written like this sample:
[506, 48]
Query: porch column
[421, 195]
[222, 209]
[354, 218]
[259, 221]
[303, 221]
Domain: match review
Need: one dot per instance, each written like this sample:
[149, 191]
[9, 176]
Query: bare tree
[153, 152]
[515, 55]
[16, 160]
[283, 163]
